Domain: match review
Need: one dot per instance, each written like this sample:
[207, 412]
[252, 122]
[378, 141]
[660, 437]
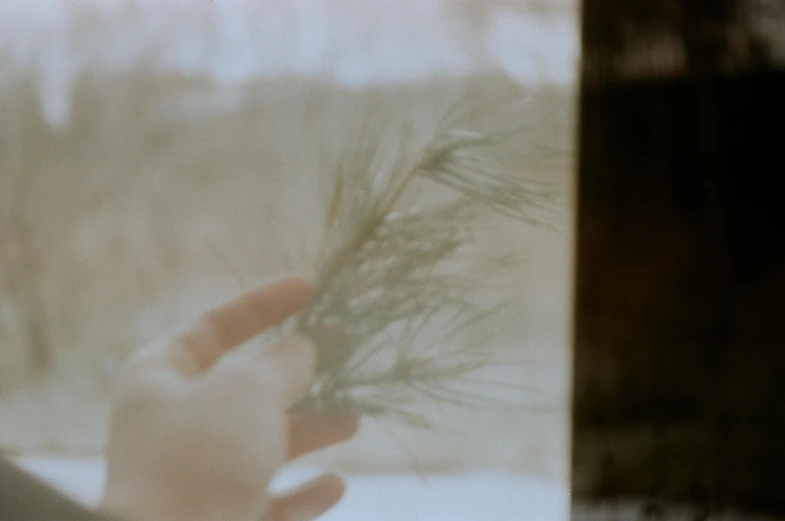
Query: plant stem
[333, 266]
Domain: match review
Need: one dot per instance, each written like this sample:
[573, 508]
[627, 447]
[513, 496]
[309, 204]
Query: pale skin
[197, 436]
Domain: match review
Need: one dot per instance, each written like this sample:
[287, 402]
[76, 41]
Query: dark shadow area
[680, 301]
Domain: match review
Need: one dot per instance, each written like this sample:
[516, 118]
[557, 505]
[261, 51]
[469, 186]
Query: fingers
[334, 344]
[308, 501]
[311, 432]
[288, 369]
[227, 326]
[280, 376]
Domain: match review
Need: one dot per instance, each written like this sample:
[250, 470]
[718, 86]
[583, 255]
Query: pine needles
[396, 285]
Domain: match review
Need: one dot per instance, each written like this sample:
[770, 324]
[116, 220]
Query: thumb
[288, 369]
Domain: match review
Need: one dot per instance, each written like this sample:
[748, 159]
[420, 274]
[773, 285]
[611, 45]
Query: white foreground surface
[470, 496]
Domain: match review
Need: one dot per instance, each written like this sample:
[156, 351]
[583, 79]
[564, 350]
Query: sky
[354, 43]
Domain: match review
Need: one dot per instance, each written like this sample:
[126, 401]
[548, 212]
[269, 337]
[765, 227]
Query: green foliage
[396, 284]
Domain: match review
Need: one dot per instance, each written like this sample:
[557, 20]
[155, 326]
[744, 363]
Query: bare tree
[43, 199]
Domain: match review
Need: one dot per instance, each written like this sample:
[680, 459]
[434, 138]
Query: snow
[467, 496]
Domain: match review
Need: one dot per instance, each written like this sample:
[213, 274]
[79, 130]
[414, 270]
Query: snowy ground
[470, 496]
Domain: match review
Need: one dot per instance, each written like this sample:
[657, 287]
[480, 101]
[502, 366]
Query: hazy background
[149, 149]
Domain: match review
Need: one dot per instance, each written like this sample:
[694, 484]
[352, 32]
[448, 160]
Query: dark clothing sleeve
[25, 498]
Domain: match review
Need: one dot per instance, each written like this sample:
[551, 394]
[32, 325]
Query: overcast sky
[352, 42]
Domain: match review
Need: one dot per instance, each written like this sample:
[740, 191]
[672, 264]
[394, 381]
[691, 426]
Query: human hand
[198, 436]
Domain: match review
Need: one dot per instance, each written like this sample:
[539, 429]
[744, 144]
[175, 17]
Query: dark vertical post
[679, 375]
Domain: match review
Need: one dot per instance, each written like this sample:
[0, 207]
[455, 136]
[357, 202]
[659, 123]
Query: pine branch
[388, 277]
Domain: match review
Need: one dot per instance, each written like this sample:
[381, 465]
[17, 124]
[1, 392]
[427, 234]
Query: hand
[198, 436]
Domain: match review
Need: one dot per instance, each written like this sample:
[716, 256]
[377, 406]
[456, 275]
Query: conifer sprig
[396, 285]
